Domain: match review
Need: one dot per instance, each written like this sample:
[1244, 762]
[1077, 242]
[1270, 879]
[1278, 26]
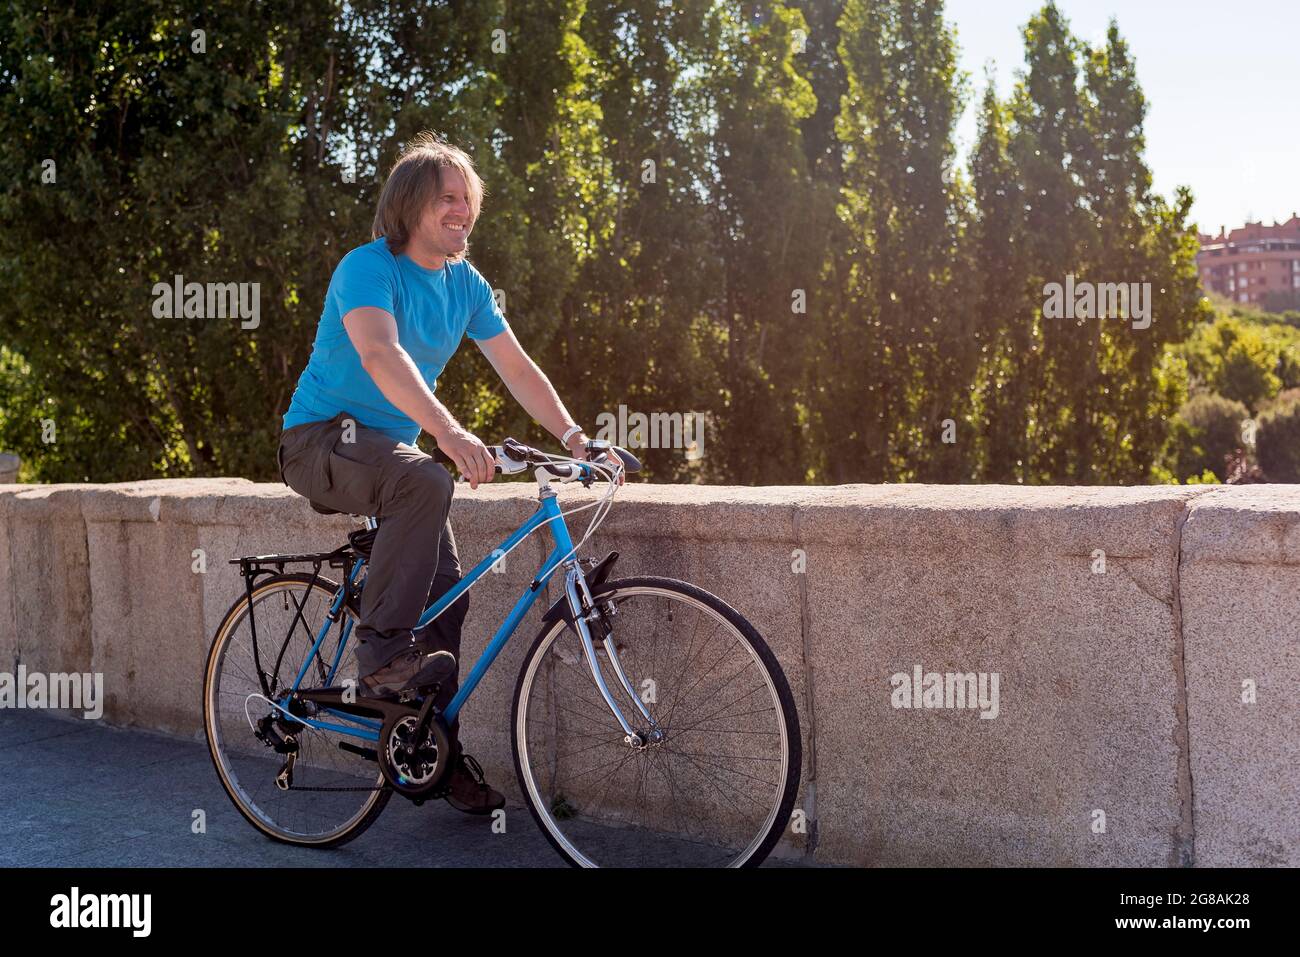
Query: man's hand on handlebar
[578, 449]
[511, 457]
[471, 456]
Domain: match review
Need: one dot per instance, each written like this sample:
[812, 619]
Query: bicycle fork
[583, 607]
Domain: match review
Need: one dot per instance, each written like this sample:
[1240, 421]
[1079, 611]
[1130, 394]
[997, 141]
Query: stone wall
[1123, 692]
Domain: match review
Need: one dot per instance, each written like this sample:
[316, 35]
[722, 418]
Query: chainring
[414, 770]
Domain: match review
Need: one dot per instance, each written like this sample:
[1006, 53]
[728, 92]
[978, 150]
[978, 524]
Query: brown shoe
[410, 671]
[469, 792]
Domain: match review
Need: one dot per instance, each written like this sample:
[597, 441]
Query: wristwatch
[576, 430]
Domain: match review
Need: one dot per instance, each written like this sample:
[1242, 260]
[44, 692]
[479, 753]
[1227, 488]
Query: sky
[1221, 79]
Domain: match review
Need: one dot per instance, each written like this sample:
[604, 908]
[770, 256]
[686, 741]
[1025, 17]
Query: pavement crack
[805, 635]
[1183, 853]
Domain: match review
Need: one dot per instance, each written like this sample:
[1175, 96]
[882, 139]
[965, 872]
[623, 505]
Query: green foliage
[894, 342]
[1281, 335]
[1161, 475]
[750, 210]
[1206, 430]
[1239, 359]
[1062, 190]
[1278, 439]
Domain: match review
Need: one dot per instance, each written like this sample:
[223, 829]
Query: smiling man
[396, 311]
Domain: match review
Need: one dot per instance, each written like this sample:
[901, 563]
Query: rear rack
[274, 564]
[346, 557]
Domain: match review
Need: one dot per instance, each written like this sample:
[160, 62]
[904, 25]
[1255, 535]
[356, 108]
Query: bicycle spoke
[708, 790]
[332, 789]
[721, 712]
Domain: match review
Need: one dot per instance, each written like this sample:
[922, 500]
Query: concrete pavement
[79, 793]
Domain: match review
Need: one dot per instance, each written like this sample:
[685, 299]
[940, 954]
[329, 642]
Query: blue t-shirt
[434, 309]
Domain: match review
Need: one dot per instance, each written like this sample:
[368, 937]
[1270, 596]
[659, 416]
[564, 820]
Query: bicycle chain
[435, 794]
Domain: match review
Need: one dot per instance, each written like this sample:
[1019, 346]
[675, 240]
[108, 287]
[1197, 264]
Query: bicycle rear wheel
[332, 794]
[716, 790]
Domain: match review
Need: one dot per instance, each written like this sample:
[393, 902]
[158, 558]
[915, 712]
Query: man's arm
[531, 389]
[374, 335]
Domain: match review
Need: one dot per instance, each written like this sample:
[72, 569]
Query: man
[396, 310]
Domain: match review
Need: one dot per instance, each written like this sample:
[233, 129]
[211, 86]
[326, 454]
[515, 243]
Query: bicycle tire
[238, 611]
[761, 848]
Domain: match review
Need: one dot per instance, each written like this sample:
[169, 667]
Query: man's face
[446, 224]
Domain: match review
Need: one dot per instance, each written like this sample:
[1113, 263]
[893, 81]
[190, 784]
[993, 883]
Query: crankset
[414, 750]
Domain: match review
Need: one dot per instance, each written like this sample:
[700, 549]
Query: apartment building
[1255, 264]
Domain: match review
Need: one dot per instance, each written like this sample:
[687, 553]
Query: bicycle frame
[548, 513]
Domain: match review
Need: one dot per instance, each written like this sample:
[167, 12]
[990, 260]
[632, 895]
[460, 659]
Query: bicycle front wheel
[714, 788]
[327, 795]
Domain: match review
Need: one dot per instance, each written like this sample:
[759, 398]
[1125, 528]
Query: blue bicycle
[651, 726]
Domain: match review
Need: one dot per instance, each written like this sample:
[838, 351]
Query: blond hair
[415, 182]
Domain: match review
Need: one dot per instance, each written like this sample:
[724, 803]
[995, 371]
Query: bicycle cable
[253, 728]
[604, 504]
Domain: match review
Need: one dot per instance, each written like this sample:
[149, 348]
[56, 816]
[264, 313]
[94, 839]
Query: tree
[897, 325]
[1278, 439]
[998, 261]
[1078, 399]
[225, 145]
[1206, 431]
[767, 250]
[749, 211]
[1233, 359]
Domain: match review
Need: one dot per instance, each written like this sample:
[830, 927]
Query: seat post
[371, 522]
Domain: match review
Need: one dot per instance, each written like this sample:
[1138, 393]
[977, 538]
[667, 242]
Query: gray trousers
[413, 561]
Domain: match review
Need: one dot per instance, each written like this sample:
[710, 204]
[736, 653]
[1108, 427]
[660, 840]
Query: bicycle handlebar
[513, 456]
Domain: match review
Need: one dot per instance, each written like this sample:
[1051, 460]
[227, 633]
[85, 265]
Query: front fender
[595, 578]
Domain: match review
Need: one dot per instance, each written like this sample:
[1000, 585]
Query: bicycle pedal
[370, 754]
[417, 694]
[437, 795]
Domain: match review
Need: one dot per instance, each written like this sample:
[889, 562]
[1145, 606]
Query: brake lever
[593, 474]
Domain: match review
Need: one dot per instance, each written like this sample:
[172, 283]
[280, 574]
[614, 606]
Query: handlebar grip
[518, 456]
[440, 456]
[630, 462]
